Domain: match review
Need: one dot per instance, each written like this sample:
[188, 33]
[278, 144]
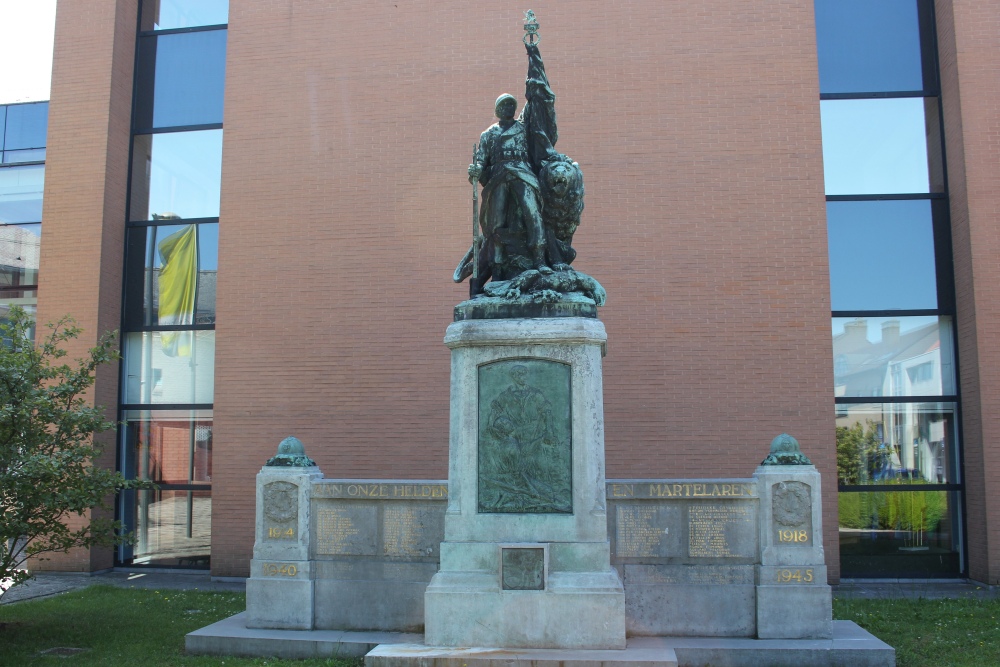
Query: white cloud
[27, 28]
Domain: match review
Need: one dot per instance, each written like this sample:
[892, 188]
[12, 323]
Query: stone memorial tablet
[346, 530]
[525, 437]
[411, 532]
[647, 531]
[721, 530]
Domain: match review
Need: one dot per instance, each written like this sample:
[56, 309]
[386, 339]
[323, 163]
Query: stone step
[418, 655]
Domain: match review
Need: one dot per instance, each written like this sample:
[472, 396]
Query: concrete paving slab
[419, 655]
[230, 636]
[850, 645]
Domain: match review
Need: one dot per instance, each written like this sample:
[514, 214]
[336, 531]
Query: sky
[27, 28]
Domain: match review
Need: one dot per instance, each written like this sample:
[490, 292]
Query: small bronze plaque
[522, 568]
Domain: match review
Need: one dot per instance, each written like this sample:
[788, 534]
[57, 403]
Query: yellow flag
[178, 284]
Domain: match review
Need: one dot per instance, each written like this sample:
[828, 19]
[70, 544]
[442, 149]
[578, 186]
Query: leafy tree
[855, 446]
[47, 447]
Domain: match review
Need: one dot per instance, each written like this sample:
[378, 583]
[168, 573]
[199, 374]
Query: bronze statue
[531, 201]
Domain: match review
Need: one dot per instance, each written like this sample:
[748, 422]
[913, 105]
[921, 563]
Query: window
[171, 14]
[181, 260]
[172, 523]
[176, 175]
[892, 290]
[169, 367]
[865, 46]
[881, 146]
[871, 355]
[882, 255]
[21, 193]
[181, 79]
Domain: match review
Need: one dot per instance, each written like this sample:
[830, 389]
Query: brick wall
[970, 59]
[85, 181]
[345, 208]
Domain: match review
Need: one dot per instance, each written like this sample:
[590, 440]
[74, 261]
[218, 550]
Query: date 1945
[795, 576]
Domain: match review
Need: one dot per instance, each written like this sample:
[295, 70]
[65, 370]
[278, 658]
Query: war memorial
[527, 552]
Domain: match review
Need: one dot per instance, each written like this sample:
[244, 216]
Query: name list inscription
[721, 531]
[645, 531]
[411, 532]
[340, 531]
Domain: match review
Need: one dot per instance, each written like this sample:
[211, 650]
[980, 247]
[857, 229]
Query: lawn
[137, 626]
[130, 626]
[942, 633]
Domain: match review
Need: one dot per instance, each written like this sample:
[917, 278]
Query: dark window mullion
[855, 400]
[175, 31]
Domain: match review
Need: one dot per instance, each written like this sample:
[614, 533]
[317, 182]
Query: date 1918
[793, 536]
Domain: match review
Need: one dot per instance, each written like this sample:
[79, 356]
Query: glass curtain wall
[23, 130]
[898, 447]
[171, 261]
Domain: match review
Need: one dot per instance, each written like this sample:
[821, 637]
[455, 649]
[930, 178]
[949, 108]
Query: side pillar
[526, 558]
[280, 590]
[794, 600]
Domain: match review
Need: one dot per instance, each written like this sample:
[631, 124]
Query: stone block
[577, 610]
[686, 600]
[787, 611]
[280, 603]
[371, 595]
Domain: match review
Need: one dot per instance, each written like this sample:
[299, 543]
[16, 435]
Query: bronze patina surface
[532, 200]
[525, 437]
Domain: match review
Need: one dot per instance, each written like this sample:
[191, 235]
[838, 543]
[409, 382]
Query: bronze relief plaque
[525, 437]
[522, 568]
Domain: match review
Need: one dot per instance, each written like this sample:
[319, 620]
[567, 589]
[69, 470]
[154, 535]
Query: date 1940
[795, 576]
[276, 570]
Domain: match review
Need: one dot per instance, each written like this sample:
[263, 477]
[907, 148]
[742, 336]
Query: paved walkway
[46, 585]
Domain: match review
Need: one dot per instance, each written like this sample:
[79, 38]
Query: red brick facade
[970, 58]
[345, 208]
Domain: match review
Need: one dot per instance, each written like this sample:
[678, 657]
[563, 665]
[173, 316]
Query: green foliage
[926, 633]
[132, 626]
[914, 511]
[855, 446]
[47, 448]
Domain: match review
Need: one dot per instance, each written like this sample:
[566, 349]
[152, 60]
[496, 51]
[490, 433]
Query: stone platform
[850, 645]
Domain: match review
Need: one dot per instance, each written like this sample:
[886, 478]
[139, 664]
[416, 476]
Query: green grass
[942, 633]
[119, 626]
[146, 627]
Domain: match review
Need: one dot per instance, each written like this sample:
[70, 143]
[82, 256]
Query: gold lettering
[336, 488]
[437, 492]
[352, 489]
[273, 570]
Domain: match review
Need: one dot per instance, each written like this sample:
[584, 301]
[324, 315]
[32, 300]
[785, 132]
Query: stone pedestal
[280, 590]
[526, 559]
[793, 598]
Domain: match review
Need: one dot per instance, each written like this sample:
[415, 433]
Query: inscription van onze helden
[387, 490]
[657, 489]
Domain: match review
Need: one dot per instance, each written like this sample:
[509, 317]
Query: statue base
[494, 308]
[526, 559]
